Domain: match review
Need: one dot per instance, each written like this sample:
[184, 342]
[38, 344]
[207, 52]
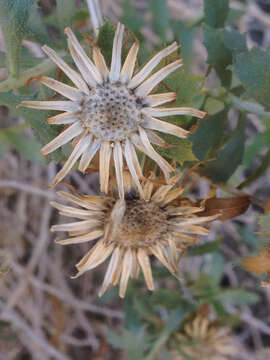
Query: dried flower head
[204, 340]
[132, 229]
[111, 111]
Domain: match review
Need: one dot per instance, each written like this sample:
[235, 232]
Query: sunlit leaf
[181, 151]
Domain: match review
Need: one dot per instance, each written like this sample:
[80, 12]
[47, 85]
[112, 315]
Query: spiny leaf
[219, 56]
[105, 40]
[253, 70]
[14, 15]
[171, 299]
[27, 147]
[186, 85]
[208, 134]
[65, 11]
[238, 296]
[36, 29]
[181, 152]
[229, 157]
[251, 151]
[216, 12]
[184, 35]
[160, 17]
[234, 41]
[36, 119]
[222, 47]
[134, 343]
[130, 18]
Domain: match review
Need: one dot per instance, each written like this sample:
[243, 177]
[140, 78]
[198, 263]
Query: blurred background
[46, 315]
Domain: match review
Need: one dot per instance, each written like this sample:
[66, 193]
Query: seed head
[111, 111]
[132, 229]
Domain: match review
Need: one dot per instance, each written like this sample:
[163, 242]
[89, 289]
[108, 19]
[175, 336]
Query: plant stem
[260, 170]
[158, 345]
[44, 67]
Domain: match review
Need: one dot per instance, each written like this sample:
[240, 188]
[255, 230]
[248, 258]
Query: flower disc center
[111, 112]
[143, 224]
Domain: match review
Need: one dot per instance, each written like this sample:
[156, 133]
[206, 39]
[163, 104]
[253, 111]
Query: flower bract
[203, 339]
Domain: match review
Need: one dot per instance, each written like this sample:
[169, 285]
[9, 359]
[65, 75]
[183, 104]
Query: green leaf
[171, 299]
[186, 85]
[238, 296]
[145, 309]
[208, 134]
[134, 343]
[234, 41]
[205, 288]
[65, 11]
[36, 29]
[105, 40]
[219, 56]
[229, 157]
[26, 60]
[27, 147]
[130, 17]
[206, 248]
[253, 70]
[213, 106]
[215, 267]
[181, 152]
[216, 12]
[250, 107]
[173, 323]
[14, 15]
[80, 15]
[251, 151]
[184, 35]
[37, 120]
[160, 17]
